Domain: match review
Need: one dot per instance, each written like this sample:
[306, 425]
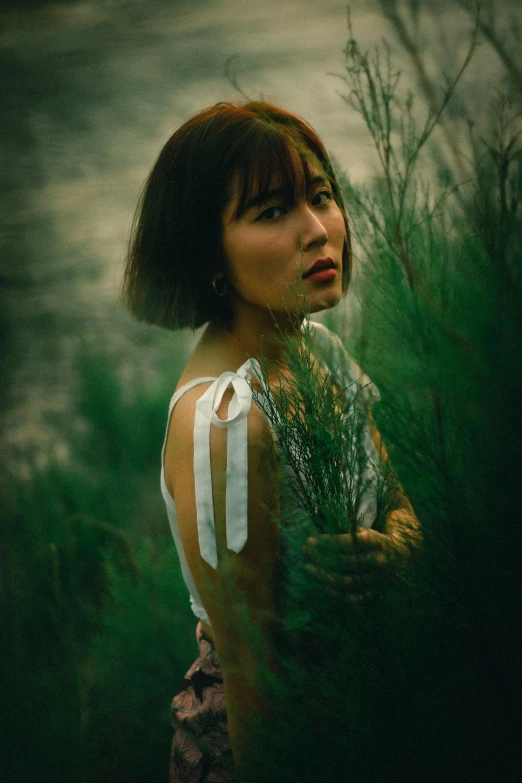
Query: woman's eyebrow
[262, 198]
[317, 179]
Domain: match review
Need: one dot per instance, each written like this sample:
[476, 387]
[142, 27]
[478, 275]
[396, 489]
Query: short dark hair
[176, 241]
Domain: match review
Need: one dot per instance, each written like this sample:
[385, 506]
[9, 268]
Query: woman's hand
[357, 569]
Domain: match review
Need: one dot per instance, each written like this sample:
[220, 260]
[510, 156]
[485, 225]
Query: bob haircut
[176, 241]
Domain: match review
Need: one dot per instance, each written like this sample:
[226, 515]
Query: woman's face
[271, 248]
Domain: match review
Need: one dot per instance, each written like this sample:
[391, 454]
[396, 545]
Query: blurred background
[97, 627]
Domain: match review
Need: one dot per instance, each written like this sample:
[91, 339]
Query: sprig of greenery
[319, 430]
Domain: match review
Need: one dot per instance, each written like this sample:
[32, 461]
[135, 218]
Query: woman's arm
[401, 524]
[367, 562]
[240, 595]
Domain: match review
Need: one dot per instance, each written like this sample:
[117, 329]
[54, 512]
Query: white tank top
[336, 361]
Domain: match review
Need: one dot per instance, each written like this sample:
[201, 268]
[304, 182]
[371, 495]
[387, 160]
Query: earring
[215, 285]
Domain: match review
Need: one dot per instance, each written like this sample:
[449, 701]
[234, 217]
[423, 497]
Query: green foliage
[318, 430]
[97, 631]
[440, 335]
[422, 683]
[144, 643]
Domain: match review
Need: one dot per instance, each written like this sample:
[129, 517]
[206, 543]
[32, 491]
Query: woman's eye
[326, 197]
[271, 213]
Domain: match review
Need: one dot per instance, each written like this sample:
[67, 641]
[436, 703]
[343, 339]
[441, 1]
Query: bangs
[268, 160]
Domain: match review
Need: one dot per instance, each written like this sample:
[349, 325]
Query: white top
[335, 361]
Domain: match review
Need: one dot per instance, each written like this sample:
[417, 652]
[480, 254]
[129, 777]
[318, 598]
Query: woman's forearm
[246, 710]
[251, 664]
[249, 716]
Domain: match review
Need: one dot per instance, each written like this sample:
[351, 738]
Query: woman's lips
[322, 275]
[322, 270]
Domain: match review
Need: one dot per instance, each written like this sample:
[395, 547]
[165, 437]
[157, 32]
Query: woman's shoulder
[322, 336]
[330, 349]
[221, 371]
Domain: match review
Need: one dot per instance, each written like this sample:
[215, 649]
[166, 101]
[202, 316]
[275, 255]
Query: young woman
[241, 208]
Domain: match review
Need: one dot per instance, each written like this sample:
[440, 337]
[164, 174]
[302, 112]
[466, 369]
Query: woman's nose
[313, 232]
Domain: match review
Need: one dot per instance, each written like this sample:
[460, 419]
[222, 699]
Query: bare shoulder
[180, 439]
[252, 573]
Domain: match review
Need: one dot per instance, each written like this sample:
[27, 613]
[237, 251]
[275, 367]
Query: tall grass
[424, 682]
[97, 632]
[439, 332]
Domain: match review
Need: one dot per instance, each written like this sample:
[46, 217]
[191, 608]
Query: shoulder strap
[237, 467]
[187, 387]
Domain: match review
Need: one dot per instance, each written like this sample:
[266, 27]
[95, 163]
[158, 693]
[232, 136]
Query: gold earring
[220, 291]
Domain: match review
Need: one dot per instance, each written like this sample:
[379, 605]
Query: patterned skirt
[201, 750]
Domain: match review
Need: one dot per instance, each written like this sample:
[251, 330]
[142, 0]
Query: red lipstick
[323, 270]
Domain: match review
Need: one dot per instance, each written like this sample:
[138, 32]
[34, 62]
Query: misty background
[91, 91]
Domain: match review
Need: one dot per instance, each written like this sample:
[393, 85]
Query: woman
[241, 207]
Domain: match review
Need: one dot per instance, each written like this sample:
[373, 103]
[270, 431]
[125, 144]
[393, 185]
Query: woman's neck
[259, 333]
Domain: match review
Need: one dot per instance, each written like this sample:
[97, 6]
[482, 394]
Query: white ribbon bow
[237, 461]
